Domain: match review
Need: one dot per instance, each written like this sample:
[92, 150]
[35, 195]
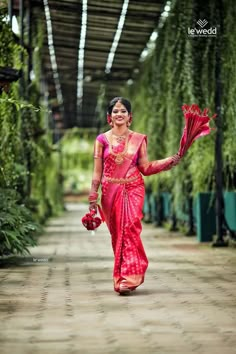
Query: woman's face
[119, 114]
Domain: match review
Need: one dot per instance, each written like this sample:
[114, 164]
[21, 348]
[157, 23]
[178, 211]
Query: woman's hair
[122, 100]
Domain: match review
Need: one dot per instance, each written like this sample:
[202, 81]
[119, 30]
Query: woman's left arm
[97, 175]
[148, 168]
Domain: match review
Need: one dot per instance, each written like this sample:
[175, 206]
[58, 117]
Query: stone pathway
[61, 300]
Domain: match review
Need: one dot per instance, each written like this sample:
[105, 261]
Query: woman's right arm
[97, 175]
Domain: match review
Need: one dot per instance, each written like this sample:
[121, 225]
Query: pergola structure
[90, 43]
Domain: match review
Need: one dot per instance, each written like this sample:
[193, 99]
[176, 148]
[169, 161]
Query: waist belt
[121, 180]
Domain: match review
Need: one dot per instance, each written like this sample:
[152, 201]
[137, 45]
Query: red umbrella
[196, 125]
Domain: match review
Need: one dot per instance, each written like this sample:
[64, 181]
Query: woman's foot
[124, 290]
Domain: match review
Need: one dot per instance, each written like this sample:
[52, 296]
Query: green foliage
[77, 154]
[9, 50]
[30, 169]
[18, 230]
[46, 184]
[12, 171]
[229, 90]
[7, 45]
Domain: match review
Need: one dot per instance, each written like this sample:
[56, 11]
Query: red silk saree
[123, 191]
[122, 203]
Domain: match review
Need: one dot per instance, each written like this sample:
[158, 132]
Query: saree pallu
[122, 203]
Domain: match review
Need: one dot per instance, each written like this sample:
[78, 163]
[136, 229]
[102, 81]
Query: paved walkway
[61, 300]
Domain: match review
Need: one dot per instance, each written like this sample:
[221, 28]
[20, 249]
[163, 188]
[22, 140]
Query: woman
[120, 160]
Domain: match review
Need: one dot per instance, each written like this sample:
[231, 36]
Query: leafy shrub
[18, 230]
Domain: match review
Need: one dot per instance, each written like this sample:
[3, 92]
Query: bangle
[175, 159]
[93, 196]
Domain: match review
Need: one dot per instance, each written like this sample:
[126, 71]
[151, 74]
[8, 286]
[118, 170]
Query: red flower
[196, 125]
[92, 222]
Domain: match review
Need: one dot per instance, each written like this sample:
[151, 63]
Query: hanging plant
[228, 99]
[30, 172]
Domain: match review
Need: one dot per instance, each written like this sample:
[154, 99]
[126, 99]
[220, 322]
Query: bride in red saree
[120, 160]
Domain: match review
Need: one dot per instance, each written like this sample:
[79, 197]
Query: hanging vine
[229, 94]
[30, 176]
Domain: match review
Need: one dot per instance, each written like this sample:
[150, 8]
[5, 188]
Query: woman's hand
[93, 207]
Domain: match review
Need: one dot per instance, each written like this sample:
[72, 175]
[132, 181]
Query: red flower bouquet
[91, 221]
[196, 125]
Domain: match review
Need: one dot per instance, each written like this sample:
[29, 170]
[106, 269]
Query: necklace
[119, 156]
[119, 138]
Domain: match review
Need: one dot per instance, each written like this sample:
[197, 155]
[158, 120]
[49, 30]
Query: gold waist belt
[121, 180]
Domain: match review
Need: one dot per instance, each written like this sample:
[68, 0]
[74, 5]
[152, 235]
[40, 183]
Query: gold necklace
[119, 138]
[119, 156]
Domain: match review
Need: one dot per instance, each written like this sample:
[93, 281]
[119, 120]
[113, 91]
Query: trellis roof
[102, 19]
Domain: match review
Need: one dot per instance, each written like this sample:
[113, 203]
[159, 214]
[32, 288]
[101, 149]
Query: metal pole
[21, 15]
[25, 95]
[29, 20]
[10, 11]
[27, 91]
[219, 203]
[190, 231]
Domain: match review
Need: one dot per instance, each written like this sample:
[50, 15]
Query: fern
[18, 230]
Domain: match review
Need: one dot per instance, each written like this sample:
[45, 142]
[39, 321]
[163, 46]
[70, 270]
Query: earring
[130, 120]
[109, 121]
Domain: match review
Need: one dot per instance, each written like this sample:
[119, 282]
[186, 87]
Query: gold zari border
[121, 180]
